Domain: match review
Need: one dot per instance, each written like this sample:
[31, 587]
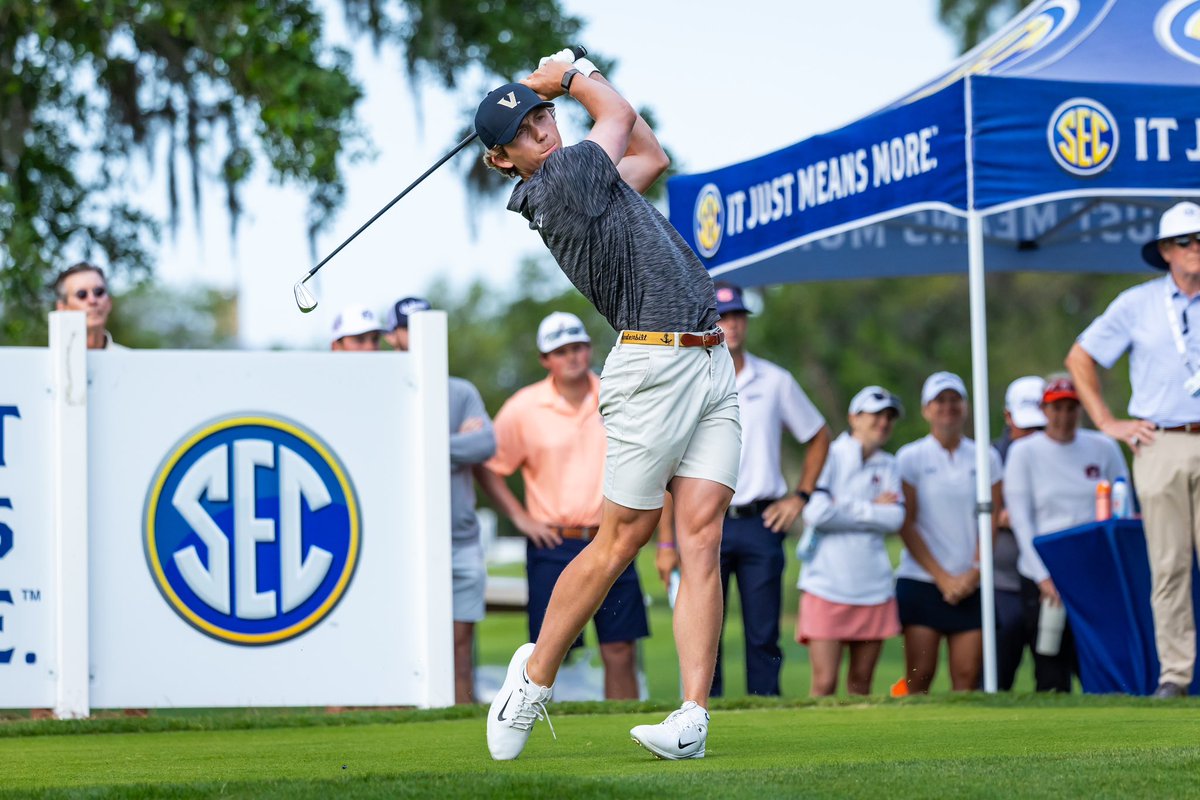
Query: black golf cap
[500, 114]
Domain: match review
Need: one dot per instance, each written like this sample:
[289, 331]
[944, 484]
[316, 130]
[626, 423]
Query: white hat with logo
[353, 320]
[874, 399]
[939, 382]
[560, 329]
[1178, 220]
[1023, 402]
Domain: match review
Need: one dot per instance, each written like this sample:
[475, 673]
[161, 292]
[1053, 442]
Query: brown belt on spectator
[668, 339]
[1188, 427]
[586, 534]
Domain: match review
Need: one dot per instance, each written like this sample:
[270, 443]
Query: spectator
[396, 331]
[848, 600]
[472, 441]
[1150, 321]
[82, 287]
[355, 329]
[937, 584]
[762, 509]
[552, 432]
[1022, 416]
[1050, 485]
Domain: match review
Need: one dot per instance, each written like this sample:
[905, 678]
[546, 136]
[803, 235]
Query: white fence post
[432, 514]
[68, 354]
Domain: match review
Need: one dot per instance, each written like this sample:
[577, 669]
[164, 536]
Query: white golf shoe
[518, 705]
[681, 735]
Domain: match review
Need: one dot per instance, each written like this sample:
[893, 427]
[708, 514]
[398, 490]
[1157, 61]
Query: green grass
[962, 746]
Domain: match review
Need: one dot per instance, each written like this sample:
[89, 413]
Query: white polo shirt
[769, 399]
[945, 487]
[851, 563]
[1050, 486]
[1138, 322]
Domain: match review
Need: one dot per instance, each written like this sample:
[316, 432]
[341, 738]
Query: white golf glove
[565, 55]
[585, 67]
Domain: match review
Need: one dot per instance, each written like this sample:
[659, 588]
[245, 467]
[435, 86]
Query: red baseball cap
[1059, 389]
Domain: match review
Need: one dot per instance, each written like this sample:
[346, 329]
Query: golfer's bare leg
[699, 515]
[585, 582]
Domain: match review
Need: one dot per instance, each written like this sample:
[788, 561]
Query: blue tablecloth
[1103, 574]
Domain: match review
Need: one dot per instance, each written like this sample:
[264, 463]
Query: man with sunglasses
[551, 431]
[667, 398]
[82, 287]
[1150, 321]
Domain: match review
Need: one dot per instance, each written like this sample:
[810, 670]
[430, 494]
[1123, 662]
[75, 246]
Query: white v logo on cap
[508, 101]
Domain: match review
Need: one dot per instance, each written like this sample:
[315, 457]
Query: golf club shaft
[393, 202]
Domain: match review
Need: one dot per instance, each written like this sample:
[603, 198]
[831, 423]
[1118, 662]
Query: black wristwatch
[803, 495]
[568, 76]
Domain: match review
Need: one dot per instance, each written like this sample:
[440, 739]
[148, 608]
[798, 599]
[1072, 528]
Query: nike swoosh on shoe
[500, 715]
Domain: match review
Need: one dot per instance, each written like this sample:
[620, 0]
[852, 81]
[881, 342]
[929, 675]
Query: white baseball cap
[353, 320]
[1023, 402]
[873, 399]
[939, 382]
[559, 329]
[1178, 220]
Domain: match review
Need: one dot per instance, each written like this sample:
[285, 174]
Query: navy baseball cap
[398, 313]
[501, 113]
[729, 299]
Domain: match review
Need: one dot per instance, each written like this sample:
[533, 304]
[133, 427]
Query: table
[1103, 575]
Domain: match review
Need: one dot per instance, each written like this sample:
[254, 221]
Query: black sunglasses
[97, 292]
[1185, 240]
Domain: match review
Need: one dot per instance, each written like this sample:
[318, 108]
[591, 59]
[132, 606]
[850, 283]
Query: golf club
[304, 298]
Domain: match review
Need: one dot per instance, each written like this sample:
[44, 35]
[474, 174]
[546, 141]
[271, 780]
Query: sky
[727, 82]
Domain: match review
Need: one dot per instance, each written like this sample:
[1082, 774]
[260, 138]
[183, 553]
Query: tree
[974, 20]
[86, 85]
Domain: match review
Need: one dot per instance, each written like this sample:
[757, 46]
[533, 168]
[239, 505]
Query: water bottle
[673, 587]
[806, 548]
[1052, 618]
[1120, 499]
[1103, 501]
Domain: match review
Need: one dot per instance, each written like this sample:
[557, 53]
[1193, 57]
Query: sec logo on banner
[1177, 28]
[252, 529]
[709, 220]
[1083, 137]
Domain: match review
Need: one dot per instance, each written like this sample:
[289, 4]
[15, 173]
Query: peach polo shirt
[559, 450]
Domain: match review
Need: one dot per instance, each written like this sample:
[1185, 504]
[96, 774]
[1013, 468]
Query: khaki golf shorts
[668, 411]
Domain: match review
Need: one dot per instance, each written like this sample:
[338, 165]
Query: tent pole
[983, 437]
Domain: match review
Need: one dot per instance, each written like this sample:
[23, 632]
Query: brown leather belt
[1189, 427]
[661, 339]
[585, 534]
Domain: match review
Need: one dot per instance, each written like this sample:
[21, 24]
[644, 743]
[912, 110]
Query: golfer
[667, 389]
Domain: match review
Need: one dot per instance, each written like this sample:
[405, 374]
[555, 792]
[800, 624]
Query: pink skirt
[822, 619]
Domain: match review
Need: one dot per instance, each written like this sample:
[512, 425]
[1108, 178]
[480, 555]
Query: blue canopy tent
[1052, 146]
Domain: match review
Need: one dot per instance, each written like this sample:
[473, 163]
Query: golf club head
[304, 298]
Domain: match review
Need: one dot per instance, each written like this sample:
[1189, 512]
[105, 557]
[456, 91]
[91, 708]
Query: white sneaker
[681, 735]
[518, 705]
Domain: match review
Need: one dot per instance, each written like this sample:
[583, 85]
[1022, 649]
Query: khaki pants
[1167, 473]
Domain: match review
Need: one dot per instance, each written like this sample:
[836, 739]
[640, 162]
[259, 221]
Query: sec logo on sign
[1083, 137]
[709, 220]
[252, 529]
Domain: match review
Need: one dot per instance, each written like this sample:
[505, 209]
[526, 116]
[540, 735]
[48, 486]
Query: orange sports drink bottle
[1103, 500]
